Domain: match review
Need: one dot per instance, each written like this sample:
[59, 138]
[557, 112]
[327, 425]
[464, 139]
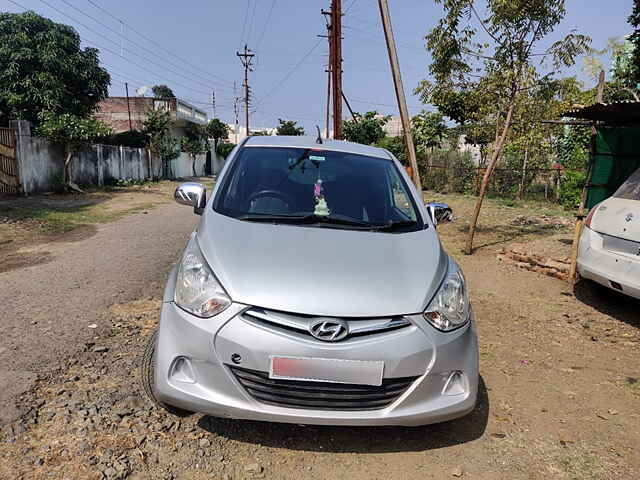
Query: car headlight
[197, 289]
[450, 308]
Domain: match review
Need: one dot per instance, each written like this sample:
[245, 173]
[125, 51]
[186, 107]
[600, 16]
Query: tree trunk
[193, 164]
[67, 173]
[487, 175]
[524, 173]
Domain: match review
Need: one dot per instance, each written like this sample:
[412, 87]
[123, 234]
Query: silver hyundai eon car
[314, 290]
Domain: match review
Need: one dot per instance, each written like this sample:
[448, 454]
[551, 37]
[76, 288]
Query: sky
[191, 46]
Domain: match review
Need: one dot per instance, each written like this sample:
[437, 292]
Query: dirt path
[559, 398]
[47, 306]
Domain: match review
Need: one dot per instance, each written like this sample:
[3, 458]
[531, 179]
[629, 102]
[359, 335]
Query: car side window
[400, 199]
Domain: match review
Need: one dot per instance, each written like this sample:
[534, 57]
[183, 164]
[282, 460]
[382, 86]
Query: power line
[117, 54]
[253, 14]
[264, 27]
[244, 24]
[359, 100]
[350, 6]
[164, 59]
[155, 43]
[289, 73]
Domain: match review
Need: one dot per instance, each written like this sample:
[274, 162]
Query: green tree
[289, 127]
[217, 130]
[634, 20]
[194, 143]
[367, 129]
[43, 68]
[162, 91]
[73, 133]
[500, 47]
[396, 146]
[161, 143]
[428, 130]
[260, 133]
[224, 149]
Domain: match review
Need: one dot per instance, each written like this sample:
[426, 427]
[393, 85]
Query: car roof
[311, 142]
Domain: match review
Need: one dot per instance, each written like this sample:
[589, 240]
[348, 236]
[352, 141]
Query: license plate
[358, 372]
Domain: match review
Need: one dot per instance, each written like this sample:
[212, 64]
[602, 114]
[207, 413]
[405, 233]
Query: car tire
[147, 377]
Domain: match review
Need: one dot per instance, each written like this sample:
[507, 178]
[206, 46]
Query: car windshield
[630, 189]
[317, 187]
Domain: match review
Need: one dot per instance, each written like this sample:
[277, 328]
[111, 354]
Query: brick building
[114, 111]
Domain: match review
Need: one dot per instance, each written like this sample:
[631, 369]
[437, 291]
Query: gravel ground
[47, 307]
[559, 394]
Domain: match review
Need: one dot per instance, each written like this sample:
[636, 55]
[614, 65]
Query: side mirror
[192, 194]
[439, 212]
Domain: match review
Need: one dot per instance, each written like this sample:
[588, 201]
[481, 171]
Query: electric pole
[328, 70]
[246, 58]
[336, 66]
[213, 102]
[126, 88]
[235, 110]
[397, 81]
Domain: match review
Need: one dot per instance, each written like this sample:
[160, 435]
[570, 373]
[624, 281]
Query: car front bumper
[604, 266]
[193, 360]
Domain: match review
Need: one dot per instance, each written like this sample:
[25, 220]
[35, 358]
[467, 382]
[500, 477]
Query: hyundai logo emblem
[329, 330]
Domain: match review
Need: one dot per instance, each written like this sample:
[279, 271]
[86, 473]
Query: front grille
[299, 324]
[320, 395]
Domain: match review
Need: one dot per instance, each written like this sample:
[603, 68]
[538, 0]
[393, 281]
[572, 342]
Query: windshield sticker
[322, 208]
[316, 158]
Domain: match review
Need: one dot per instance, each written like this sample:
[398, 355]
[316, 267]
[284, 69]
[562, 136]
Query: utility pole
[235, 110]
[336, 66]
[213, 101]
[126, 88]
[246, 58]
[328, 70]
[397, 81]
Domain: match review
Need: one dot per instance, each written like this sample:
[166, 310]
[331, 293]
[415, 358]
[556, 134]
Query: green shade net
[617, 156]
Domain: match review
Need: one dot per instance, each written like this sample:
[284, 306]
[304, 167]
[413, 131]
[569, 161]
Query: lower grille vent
[320, 395]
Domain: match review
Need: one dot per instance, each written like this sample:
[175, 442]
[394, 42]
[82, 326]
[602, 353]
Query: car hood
[323, 271]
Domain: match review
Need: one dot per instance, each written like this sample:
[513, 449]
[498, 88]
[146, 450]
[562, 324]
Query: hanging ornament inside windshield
[322, 208]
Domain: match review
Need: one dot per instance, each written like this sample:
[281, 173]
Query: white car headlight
[450, 308]
[197, 289]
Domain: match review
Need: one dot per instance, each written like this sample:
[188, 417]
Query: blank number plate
[359, 372]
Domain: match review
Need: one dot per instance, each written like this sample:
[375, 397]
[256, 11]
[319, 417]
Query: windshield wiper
[394, 226]
[306, 219]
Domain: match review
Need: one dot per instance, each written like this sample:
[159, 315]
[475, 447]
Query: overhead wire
[244, 24]
[290, 72]
[120, 56]
[160, 46]
[264, 26]
[164, 59]
[253, 14]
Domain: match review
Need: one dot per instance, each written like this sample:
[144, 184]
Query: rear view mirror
[439, 212]
[192, 194]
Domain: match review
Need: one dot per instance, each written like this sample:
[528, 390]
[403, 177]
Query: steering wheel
[286, 199]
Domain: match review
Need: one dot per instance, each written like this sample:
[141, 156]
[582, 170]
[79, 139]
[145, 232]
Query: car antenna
[319, 139]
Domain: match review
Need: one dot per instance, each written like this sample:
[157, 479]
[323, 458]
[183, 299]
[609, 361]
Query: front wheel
[147, 376]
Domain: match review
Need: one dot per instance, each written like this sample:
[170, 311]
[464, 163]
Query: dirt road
[48, 306]
[559, 394]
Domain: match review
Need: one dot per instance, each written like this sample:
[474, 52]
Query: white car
[609, 252]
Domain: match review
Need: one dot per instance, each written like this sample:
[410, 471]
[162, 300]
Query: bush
[224, 149]
[452, 171]
[462, 174]
[132, 138]
[571, 187]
